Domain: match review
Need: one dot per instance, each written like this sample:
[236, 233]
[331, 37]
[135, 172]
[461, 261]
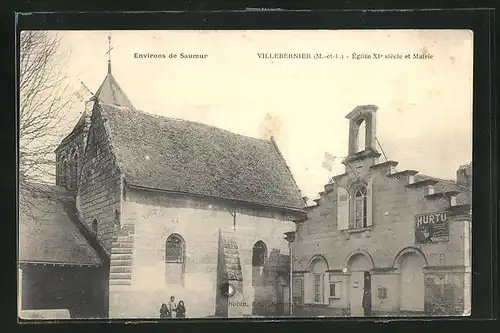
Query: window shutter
[342, 208]
[326, 288]
[308, 288]
[369, 203]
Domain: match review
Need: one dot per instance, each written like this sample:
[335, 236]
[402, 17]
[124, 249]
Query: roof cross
[109, 53]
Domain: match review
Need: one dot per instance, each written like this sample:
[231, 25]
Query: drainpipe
[290, 237]
[20, 291]
[290, 299]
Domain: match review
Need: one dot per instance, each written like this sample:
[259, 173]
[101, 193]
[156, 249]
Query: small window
[298, 290]
[335, 289]
[382, 292]
[318, 288]
[174, 260]
[63, 172]
[94, 226]
[74, 170]
[259, 254]
[361, 136]
[174, 250]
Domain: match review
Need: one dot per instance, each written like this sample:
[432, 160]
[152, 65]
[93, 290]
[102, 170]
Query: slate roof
[443, 185]
[78, 127]
[46, 232]
[111, 93]
[446, 185]
[189, 157]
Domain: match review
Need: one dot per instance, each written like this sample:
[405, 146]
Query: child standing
[181, 310]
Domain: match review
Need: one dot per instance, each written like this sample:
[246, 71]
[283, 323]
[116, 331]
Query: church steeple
[109, 54]
[110, 91]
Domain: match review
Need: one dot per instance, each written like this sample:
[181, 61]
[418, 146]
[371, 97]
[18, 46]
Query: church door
[412, 283]
[356, 293]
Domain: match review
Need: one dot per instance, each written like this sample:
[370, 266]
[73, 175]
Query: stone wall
[99, 191]
[69, 158]
[394, 210]
[395, 204]
[156, 215]
[444, 292]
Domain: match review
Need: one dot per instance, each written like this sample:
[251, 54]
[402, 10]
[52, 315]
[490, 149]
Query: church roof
[47, 234]
[189, 157]
[111, 93]
[80, 125]
[108, 92]
[447, 185]
[442, 185]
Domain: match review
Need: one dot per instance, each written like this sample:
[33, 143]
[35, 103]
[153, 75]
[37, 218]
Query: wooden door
[356, 294]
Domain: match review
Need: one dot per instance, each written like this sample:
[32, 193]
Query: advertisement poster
[431, 228]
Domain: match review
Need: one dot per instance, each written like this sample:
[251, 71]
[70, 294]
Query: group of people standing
[167, 310]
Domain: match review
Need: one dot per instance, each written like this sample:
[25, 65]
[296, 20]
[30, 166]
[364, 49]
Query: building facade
[381, 241]
[180, 209]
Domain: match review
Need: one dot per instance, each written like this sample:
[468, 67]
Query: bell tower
[362, 137]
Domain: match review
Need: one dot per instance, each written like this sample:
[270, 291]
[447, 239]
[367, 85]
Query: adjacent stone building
[180, 209]
[402, 237]
[60, 265]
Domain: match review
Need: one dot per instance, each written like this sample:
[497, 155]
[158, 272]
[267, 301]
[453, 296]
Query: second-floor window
[359, 213]
[355, 206]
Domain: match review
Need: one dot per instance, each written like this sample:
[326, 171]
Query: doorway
[280, 297]
[412, 283]
[367, 299]
[360, 265]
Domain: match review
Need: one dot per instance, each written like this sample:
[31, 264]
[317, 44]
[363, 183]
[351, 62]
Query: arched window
[361, 135]
[174, 259]
[62, 172]
[318, 269]
[174, 249]
[259, 255]
[74, 169]
[359, 207]
[94, 226]
[97, 152]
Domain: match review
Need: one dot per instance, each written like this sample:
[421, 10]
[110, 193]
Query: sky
[424, 120]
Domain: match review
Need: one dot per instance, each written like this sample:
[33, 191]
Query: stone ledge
[404, 173]
[120, 262]
[120, 276]
[122, 245]
[120, 282]
[121, 256]
[120, 269]
[426, 182]
[438, 195]
[357, 230]
[128, 250]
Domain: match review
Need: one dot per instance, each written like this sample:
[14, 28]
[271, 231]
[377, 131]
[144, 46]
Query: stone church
[402, 238]
[169, 207]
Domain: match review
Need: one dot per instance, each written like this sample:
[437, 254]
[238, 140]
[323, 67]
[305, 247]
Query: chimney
[464, 175]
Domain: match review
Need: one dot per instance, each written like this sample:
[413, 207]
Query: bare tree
[43, 102]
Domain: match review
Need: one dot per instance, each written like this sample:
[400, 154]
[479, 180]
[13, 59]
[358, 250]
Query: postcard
[245, 174]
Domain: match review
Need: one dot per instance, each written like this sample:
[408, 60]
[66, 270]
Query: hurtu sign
[431, 227]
